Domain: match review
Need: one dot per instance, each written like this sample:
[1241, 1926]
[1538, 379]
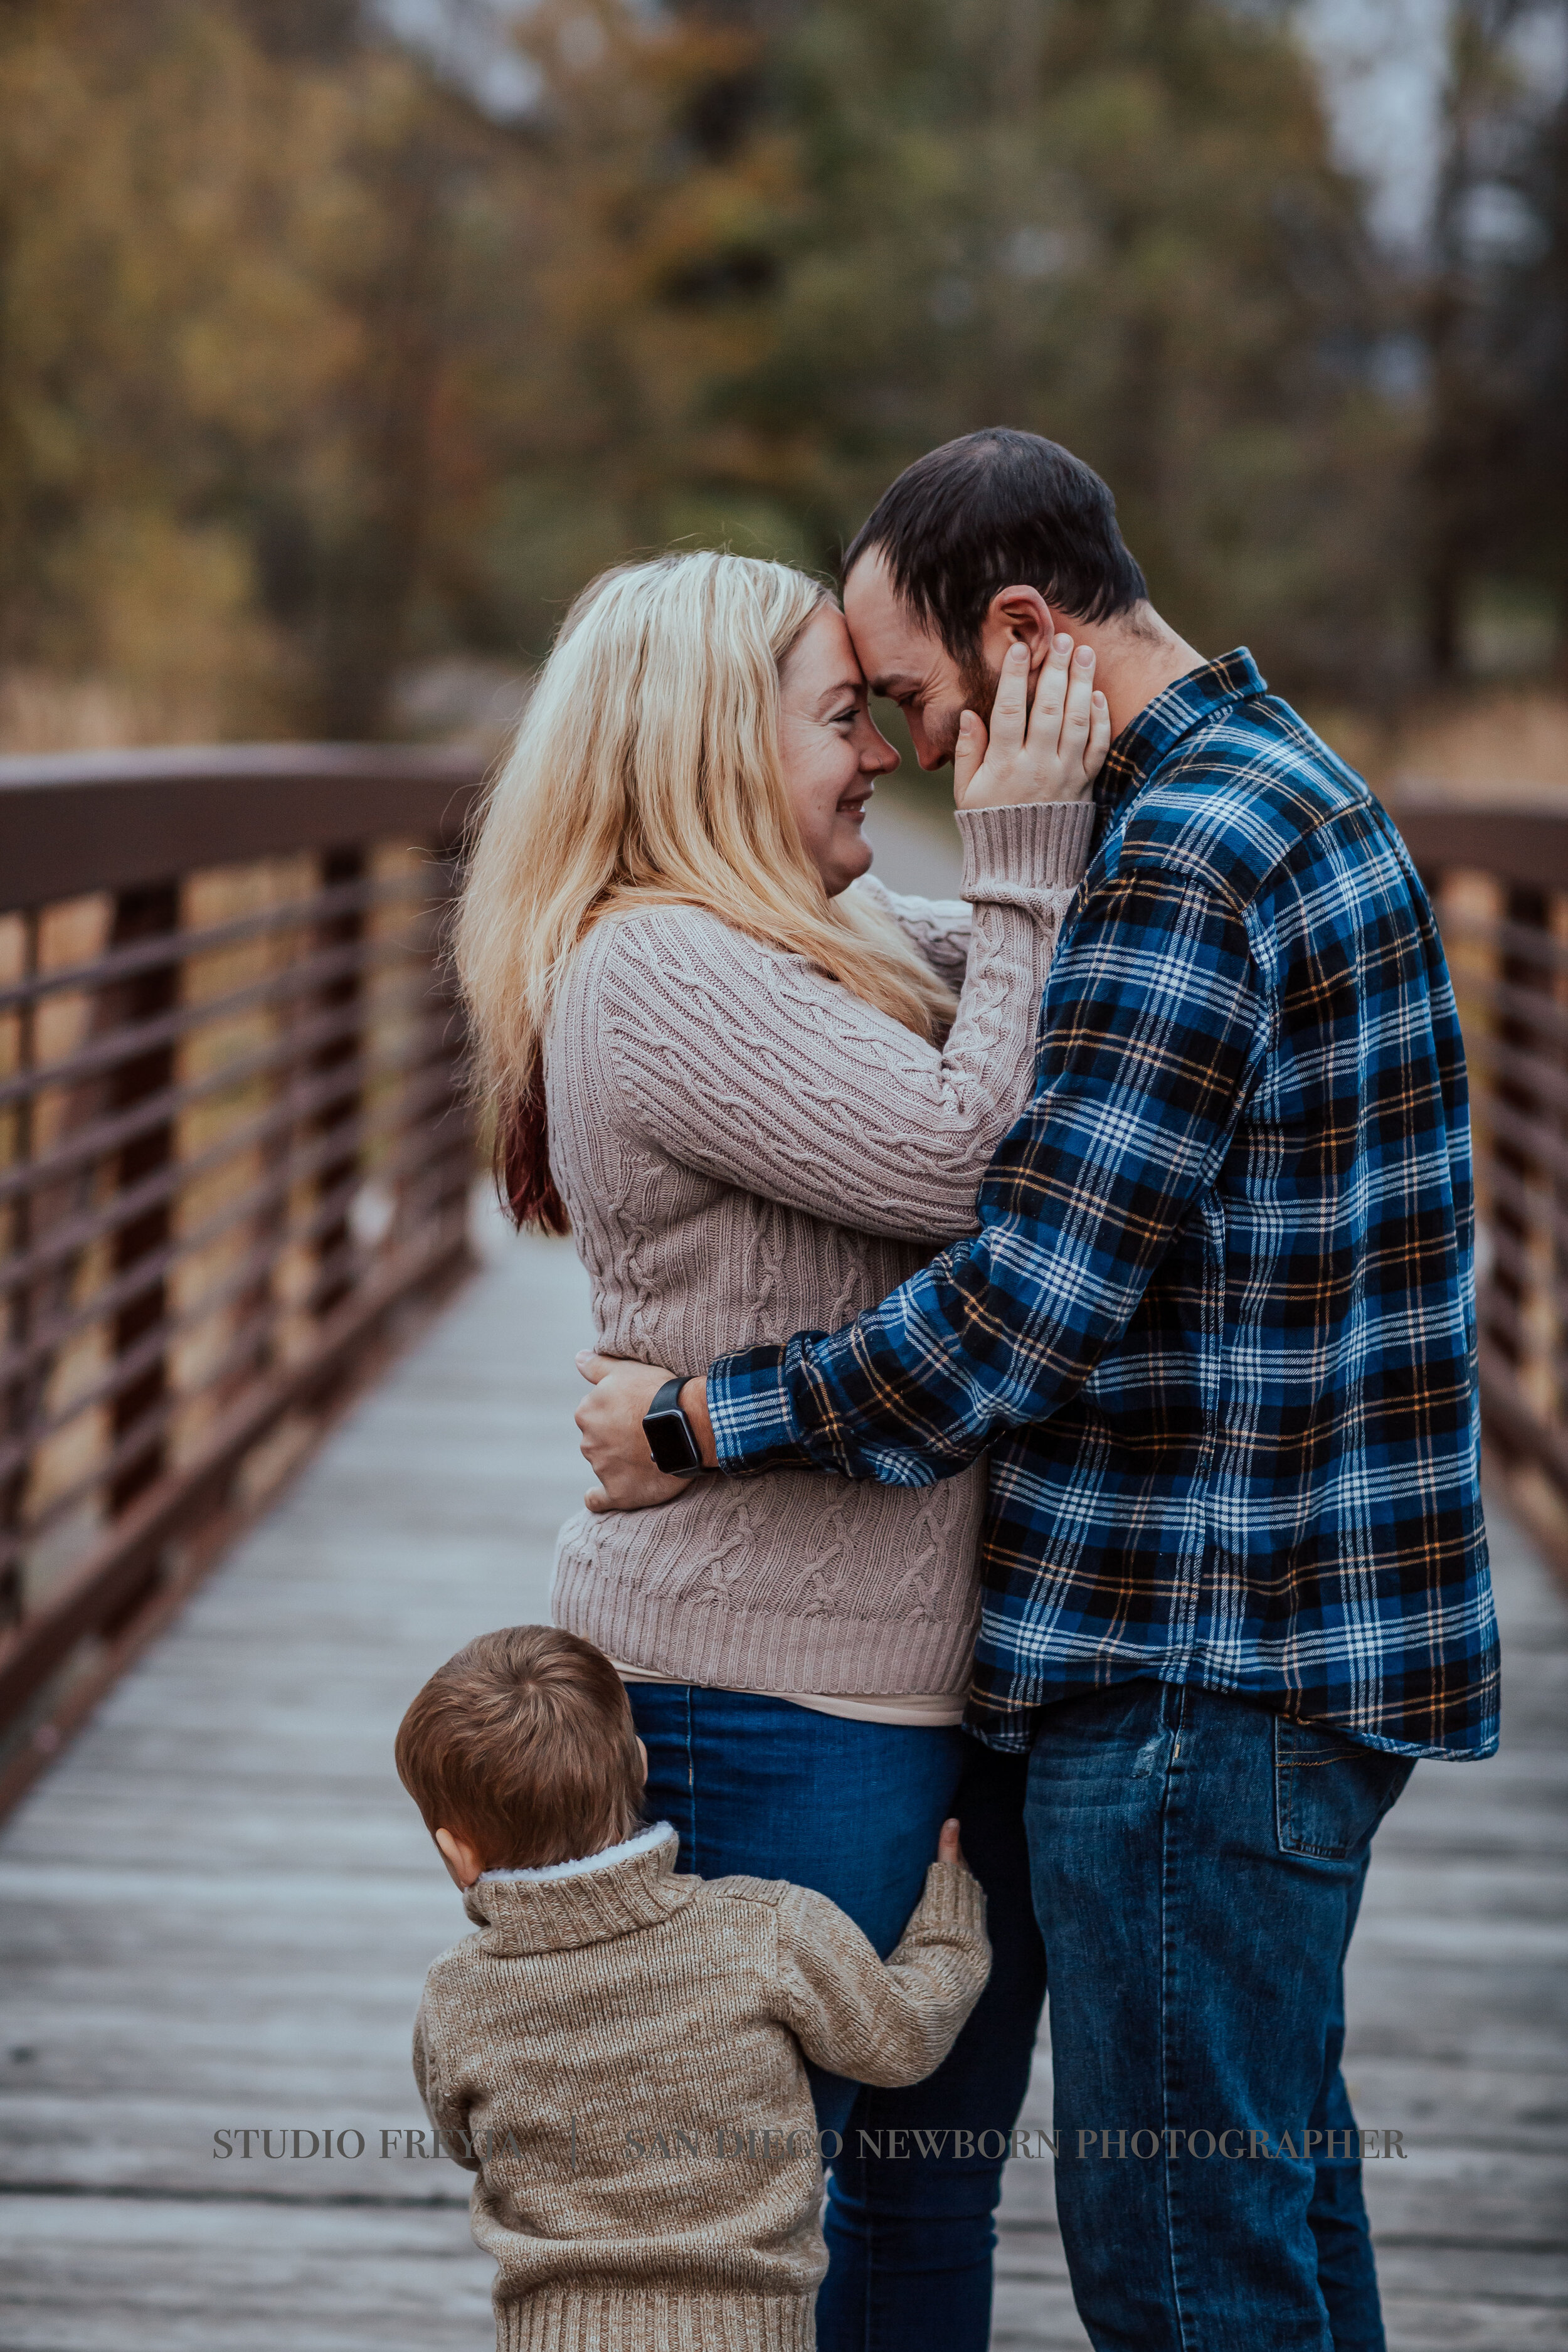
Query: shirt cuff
[1011, 853]
[753, 1420]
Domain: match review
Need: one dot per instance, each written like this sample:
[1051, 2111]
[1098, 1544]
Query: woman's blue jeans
[756, 1785]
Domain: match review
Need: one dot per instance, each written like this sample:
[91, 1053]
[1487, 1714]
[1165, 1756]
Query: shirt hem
[920, 1710]
[1010, 1726]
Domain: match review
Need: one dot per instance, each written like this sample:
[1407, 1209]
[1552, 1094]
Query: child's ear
[464, 1862]
[642, 1752]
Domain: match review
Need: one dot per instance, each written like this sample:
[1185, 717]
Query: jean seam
[1284, 1789]
[871, 2272]
[1169, 2002]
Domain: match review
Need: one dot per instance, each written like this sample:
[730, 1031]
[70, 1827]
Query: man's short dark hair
[997, 509]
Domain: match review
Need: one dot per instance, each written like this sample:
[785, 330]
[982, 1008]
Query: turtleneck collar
[567, 1904]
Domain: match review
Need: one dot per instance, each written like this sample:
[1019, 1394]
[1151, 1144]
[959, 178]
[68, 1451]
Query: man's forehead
[870, 585]
[895, 651]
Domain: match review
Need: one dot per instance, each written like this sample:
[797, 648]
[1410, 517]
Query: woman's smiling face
[830, 751]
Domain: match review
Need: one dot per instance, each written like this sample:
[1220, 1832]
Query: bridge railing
[1499, 881]
[234, 1157]
[235, 1154]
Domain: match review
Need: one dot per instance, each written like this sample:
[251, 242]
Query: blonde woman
[763, 1090]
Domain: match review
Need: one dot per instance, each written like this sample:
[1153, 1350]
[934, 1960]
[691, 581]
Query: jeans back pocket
[1330, 1792]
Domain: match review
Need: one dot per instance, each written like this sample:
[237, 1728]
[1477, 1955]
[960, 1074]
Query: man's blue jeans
[853, 1809]
[1197, 1866]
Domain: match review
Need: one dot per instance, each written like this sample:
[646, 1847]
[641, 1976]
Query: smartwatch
[671, 1439]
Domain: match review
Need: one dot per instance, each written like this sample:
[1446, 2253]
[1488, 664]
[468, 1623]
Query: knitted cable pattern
[747, 1151]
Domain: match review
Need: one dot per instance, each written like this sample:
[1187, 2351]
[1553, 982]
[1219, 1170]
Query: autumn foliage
[313, 366]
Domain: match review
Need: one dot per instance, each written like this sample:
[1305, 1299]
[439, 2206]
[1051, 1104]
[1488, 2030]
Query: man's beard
[979, 684]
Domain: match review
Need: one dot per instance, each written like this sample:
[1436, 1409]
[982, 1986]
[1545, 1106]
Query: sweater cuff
[953, 1897]
[1011, 853]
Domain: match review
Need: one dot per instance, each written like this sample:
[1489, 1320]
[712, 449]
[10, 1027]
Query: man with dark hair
[972, 549]
[959, 527]
[1216, 1329]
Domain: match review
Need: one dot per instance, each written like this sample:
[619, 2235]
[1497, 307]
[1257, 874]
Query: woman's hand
[1051, 754]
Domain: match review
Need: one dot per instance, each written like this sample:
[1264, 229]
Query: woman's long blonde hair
[645, 773]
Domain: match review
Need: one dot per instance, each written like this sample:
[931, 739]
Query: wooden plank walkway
[217, 1912]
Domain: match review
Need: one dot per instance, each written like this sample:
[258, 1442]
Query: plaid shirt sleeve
[1155, 1022]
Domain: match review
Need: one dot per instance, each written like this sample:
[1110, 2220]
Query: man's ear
[1017, 615]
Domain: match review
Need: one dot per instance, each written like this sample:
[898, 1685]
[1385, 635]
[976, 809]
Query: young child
[618, 2053]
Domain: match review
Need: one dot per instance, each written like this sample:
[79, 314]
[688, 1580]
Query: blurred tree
[349, 503]
[647, 209]
[318, 30]
[1536, 315]
[1469, 398]
[310, 365]
[157, 326]
[1494, 473]
[225, 339]
[1119, 226]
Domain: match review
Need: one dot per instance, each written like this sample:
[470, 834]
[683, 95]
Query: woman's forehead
[822, 661]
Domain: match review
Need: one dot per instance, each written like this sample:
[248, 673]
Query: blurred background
[341, 340]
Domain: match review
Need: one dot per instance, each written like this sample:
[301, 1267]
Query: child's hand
[947, 1846]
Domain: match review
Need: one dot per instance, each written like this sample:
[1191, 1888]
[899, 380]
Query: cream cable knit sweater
[586, 2049]
[747, 1151]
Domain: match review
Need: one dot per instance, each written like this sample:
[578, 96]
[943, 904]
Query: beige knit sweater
[594, 2052]
[747, 1151]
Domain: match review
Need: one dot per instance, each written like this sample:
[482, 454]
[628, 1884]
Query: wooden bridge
[238, 1181]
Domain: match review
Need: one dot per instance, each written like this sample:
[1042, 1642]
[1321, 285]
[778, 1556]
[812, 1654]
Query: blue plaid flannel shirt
[1218, 1326]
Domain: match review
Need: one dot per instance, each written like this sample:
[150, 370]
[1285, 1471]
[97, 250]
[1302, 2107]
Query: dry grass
[1503, 747]
[40, 713]
[1510, 750]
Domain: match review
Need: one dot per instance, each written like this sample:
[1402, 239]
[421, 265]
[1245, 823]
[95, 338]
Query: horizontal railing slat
[261, 1197]
[150, 955]
[108, 820]
[1528, 847]
[150, 1341]
[297, 1043]
[72, 1234]
[135, 1039]
[91, 1594]
[236, 1284]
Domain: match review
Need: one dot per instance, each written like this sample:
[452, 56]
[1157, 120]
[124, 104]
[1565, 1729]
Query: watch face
[669, 1442]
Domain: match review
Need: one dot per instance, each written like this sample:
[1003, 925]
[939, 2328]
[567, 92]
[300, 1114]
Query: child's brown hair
[523, 1746]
